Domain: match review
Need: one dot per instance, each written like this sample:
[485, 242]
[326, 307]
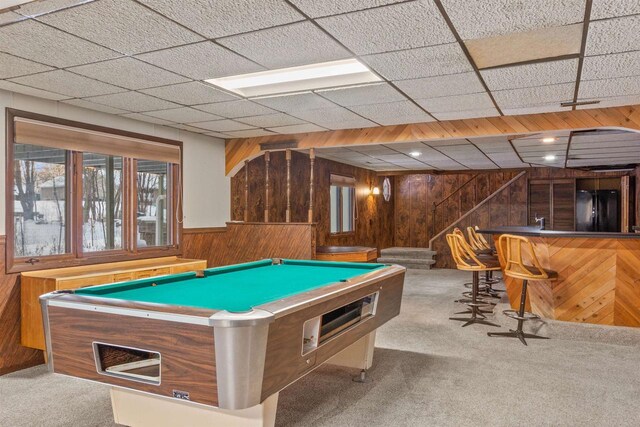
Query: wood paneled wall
[375, 217]
[244, 242]
[12, 355]
[455, 194]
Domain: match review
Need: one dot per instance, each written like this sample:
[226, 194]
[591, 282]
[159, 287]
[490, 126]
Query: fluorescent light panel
[295, 79]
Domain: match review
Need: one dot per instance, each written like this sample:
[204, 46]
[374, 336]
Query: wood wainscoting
[13, 356]
[250, 241]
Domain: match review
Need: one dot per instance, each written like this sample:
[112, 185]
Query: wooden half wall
[243, 242]
[374, 215]
[627, 117]
[12, 355]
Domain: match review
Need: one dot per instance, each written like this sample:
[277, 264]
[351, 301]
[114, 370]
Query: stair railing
[435, 207]
[475, 208]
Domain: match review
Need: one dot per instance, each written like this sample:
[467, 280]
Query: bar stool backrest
[510, 248]
[474, 240]
[463, 255]
[481, 237]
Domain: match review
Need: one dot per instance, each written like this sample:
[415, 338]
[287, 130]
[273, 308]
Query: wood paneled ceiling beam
[627, 117]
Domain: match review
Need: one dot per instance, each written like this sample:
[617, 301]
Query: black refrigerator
[598, 210]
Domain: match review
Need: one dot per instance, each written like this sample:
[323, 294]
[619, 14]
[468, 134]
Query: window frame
[354, 210]
[73, 193]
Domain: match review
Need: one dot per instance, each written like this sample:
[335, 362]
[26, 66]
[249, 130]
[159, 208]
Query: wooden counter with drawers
[35, 283]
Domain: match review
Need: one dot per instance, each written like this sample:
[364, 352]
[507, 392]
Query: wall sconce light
[375, 191]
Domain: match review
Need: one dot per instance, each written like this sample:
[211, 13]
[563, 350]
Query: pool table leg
[358, 355]
[136, 409]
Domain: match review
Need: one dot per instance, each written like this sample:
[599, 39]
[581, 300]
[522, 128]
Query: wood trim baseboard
[204, 230]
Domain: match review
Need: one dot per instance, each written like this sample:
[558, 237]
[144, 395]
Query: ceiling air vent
[578, 103]
[282, 145]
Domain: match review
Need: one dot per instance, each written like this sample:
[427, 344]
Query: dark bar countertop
[536, 232]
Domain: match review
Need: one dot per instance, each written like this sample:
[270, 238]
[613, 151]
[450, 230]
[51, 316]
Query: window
[342, 204]
[101, 202]
[39, 207]
[83, 194]
[152, 195]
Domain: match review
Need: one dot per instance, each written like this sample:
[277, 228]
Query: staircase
[418, 258]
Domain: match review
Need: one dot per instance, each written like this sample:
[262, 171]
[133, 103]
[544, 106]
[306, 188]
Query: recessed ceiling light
[415, 153]
[323, 75]
[548, 139]
[550, 157]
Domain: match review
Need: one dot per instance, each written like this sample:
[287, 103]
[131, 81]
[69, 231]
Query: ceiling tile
[8, 17]
[358, 123]
[122, 25]
[305, 128]
[610, 102]
[532, 96]
[332, 114]
[53, 47]
[315, 8]
[608, 9]
[235, 109]
[420, 62]
[129, 73]
[93, 106]
[201, 61]
[362, 95]
[194, 129]
[15, 87]
[467, 114]
[611, 66]
[528, 46]
[295, 103]
[189, 93]
[67, 83]
[623, 86]
[250, 133]
[145, 118]
[477, 19]
[271, 120]
[12, 66]
[539, 74]
[220, 134]
[219, 18]
[398, 26]
[287, 46]
[613, 35]
[477, 101]
[133, 101]
[433, 87]
[183, 115]
[36, 8]
[393, 113]
[222, 125]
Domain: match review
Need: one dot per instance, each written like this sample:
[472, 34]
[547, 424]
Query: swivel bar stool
[467, 260]
[510, 247]
[481, 246]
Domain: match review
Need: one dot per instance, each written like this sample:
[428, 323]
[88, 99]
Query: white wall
[207, 193]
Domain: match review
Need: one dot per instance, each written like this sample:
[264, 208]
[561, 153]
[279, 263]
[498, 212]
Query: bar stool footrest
[515, 315]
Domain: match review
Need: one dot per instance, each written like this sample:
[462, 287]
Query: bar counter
[598, 276]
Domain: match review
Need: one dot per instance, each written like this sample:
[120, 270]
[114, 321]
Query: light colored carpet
[428, 371]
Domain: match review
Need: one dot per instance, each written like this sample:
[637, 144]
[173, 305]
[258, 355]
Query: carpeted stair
[417, 258]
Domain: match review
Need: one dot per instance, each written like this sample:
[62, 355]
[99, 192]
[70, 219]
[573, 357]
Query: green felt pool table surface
[234, 288]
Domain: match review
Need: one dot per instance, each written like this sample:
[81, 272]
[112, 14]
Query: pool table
[215, 347]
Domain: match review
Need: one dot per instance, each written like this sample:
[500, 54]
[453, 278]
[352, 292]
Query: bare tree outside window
[40, 194]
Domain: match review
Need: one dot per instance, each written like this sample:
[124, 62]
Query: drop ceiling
[439, 60]
[602, 147]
